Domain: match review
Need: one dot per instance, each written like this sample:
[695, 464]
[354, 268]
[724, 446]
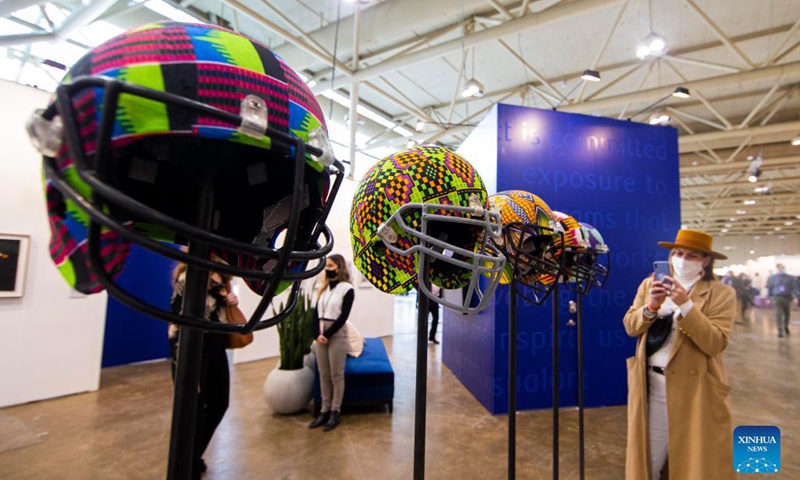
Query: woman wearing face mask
[214, 385]
[334, 300]
[679, 421]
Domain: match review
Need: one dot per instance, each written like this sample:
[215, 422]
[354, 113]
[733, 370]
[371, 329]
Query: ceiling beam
[558, 12]
[743, 183]
[789, 128]
[652, 94]
[635, 62]
[295, 40]
[733, 166]
[718, 32]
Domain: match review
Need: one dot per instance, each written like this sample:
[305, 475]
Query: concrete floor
[122, 430]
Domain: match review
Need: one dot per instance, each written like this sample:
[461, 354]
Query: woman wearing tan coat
[679, 420]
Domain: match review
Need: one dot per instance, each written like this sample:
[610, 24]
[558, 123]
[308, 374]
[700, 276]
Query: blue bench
[368, 379]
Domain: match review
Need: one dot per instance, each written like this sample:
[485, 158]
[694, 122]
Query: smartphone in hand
[661, 270]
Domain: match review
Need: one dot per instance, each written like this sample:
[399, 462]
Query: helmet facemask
[531, 251]
[120, 189]
[452, 241]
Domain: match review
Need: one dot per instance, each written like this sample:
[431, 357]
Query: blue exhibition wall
[131, 336]
[619, 176]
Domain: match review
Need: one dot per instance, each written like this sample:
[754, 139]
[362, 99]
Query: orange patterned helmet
[529, 242]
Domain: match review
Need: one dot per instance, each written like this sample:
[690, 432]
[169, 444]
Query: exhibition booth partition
[619, 176]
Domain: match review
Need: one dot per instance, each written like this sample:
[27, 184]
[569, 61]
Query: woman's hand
[322, 340]
[677, 293]
[231, 299]
[658, 293]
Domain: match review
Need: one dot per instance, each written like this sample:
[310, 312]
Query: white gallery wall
[51, 339]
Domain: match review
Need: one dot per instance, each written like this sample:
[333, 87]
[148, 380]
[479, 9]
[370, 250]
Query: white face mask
[686, 270]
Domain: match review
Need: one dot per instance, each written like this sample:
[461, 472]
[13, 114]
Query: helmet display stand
[512, 384]
[581, 426]
[540, 294]
[183, 434]
[556, 385]
[582, 289]
[421, 392]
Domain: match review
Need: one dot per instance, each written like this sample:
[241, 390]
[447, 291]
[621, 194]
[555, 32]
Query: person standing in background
[334, 301]
[214, 386]
[744, 293]
[781, 287]
[433, 308]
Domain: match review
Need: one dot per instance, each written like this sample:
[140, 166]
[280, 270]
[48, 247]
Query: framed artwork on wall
[13, 264]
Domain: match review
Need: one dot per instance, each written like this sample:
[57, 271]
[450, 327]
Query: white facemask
[686, 271]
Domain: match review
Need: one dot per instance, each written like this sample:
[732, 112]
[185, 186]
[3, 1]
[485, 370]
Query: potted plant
[288, 388]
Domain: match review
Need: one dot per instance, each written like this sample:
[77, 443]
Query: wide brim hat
[694, 240]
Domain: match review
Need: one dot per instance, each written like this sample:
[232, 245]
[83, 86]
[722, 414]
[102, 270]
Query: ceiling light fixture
[788, 224]
[741, 212]
[724, 230]
[420, 126]
[653, 45]
[749, 202]
[659, 118]
[796, 141]
[680, 92]
[586, 76]
[472, 88]
[591, 75]
[754, 169]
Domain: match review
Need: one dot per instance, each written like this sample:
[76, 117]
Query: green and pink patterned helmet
[146, 124]
[426, 205]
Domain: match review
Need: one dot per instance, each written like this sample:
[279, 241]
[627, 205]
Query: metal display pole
[187, 378]
[581, 460]
[421, 393]
[556, 384]
[512, 383]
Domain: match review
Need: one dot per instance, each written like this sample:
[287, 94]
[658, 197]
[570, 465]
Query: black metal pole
[190, 346]
[421, 394]
[555, 382]
[512, 383]
[581, 463]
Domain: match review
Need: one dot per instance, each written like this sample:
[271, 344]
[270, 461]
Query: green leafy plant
[296, 334]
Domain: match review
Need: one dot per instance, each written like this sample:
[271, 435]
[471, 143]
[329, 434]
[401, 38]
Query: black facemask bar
[479, 263]
[586, 268]
[104, 194]
[531, 249]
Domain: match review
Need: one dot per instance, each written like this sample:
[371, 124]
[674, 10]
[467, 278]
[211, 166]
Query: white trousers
[659, 432]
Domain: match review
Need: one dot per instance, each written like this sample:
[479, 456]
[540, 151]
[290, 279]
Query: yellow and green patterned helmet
[529, 241]
[426, 204]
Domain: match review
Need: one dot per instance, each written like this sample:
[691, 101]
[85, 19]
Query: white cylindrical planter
[288, 391]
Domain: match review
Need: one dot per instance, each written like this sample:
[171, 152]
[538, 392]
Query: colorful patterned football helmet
[529, 242]
[154, 122]
[598, 257]
[576, 273]
[426, 205]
